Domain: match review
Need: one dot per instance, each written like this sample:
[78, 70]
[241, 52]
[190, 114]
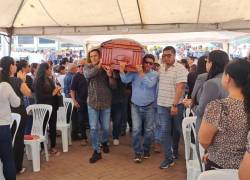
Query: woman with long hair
[212, 88]
[21, 88]
[47, 93]
[7, 98]
[226, 122]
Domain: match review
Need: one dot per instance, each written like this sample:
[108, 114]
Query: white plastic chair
[38, 111]
[15, 118]
[192, 162]
[220, 174]
[1, 171]
[62, 124]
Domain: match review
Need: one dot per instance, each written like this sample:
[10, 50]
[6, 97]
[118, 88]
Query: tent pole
[10, 35]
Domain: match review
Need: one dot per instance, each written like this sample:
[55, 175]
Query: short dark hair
[22, 64]
[33, 67]
[64, 61]
[93, 50]
[185, 63]
[201, 65]
[61, 68]
[170, 48]
[150, 56]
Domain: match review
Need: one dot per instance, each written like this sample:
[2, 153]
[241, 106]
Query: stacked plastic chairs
[192, 162]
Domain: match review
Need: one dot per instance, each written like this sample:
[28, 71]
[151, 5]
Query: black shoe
[138, 158]
[123, 133]
[105, 147]
[175, 156]
[95, 157]
[167, 163]
[146, 155]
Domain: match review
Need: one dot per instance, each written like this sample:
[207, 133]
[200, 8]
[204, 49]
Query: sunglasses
[80, 66]
[150, 63]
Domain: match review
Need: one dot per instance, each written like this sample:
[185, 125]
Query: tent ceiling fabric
[45, 17]
[223, 36]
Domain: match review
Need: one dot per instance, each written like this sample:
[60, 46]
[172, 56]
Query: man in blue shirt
[144, 83]
[72, 69]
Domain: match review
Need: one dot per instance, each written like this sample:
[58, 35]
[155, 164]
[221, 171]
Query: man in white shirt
[173, 77]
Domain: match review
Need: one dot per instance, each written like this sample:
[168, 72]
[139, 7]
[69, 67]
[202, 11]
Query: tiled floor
[117, 165]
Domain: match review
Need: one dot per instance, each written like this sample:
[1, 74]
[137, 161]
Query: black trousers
[52, 128]
[82, 120]
[19, 141]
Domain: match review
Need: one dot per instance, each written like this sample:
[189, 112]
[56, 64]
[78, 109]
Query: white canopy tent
[78, 20]
[84, 17]
[162, 38]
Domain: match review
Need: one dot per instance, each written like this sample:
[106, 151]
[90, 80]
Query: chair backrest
[39, 112]
[15, 120]
[187, 126]
[64, 113]
[68, 105]
[220, 174]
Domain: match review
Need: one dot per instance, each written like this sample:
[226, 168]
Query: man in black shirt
[79, 93]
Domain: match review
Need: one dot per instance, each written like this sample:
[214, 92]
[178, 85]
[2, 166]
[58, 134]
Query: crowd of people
[151, 100]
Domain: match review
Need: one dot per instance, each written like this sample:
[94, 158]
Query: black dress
[43, 92]
[19, 141]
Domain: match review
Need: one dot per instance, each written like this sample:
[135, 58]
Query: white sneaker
[116, 142]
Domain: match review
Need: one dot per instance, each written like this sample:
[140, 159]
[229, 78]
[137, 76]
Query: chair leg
[35, 153]
[28, 151]
[69, 136]
[65, 139]
[46, 150]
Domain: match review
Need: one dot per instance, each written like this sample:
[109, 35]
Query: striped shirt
[167, 83]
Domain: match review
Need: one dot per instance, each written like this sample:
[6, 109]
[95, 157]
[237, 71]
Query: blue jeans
[6, 153]
[171, 128]
[142, 114]
[116, 115]
[96, 117]
[157, 127]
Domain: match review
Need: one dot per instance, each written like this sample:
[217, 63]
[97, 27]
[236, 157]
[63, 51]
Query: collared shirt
[143, 88]
[99, 93]
[67, 84]
[80, 86]
[167, 83]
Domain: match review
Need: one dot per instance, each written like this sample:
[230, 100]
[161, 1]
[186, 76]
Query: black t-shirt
[16, 85]
[80, 86]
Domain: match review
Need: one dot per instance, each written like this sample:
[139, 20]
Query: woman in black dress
[47, 93]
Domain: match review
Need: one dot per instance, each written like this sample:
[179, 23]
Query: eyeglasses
[150, 63]
[80, 66]
[166, 55]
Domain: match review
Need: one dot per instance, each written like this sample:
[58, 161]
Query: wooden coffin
[122, 50]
